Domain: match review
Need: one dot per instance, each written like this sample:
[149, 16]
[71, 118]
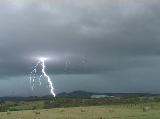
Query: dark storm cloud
[93, 45]
[93, 36]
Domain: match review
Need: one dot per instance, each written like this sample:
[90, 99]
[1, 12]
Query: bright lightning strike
[48, 78]
[43, 74]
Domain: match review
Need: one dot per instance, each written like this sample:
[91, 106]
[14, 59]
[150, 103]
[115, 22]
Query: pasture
[128, 111]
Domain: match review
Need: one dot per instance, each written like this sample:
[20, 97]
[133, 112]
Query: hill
[76, 94]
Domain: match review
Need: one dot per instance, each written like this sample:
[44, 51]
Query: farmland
[122, 107]
[93, 112]
[120, 111]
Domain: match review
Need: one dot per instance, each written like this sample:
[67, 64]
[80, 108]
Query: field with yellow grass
[92, 112]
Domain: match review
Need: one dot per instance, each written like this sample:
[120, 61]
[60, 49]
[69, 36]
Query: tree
[2, 106]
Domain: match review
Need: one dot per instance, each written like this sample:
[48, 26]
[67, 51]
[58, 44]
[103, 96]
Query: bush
[13, 109]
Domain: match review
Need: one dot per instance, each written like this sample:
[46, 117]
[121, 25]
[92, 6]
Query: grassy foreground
[95, 112]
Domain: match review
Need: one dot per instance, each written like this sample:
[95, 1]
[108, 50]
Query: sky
[92, 45]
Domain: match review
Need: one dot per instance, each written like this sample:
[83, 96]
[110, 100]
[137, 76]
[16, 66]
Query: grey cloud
[114, 40]
[98, 31]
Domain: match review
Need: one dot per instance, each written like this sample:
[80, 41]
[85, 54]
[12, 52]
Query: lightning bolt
[43, 74]
[47, 77]
[33, 76]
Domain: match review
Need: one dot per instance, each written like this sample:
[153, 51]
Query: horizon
[97, 93]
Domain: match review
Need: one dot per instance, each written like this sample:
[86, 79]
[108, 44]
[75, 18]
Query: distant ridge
[74, 94]
[80, 93]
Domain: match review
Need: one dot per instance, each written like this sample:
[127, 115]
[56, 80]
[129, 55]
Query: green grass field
[93, 112]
